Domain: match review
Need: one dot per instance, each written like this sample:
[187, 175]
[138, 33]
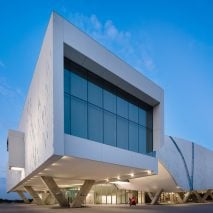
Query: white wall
[91, 150]
[203, 167]
[154, 183]
[42, 119]
[37, 118]
[16, 148]
[172, 161]
[88, 53]
[172, 174]
[13, 177]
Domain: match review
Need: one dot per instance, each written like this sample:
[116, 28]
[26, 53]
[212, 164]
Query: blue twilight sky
[169, 41]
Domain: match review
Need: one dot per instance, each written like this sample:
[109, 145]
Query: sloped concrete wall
[173, 162]
[183, 166]
[198, 161]
[203, 168]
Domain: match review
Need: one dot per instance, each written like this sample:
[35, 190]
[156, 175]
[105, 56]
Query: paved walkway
[30, 208]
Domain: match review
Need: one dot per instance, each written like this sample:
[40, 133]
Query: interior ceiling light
[16, 168]
[132, 175]
[65, 157]
[149, 172]
[120, 182]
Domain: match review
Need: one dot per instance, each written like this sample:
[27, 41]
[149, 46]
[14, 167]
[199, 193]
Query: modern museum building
[92, 132]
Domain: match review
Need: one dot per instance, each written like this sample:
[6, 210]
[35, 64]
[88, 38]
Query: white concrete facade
[172, 175]
[42, 121]
[45, 150]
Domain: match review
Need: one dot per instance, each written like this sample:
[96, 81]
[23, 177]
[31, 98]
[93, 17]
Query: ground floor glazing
[105, 194]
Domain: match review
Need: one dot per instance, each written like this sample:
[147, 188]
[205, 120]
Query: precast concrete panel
[37, 117]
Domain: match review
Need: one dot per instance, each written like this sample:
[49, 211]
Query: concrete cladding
[46, 152]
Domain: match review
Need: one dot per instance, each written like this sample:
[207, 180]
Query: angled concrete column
[55, 191]
[199, 199]
[143, 201]
[44, 197]
[81, 196]
[179, 198]
[34, 195]
[186, 197]
[207, 194]
[156, 197]
[47, 198]
[50, 200]
[150, 195]
[23, 197]
[211, 194]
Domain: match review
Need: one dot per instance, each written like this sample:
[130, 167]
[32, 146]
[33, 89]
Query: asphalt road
[31, 208]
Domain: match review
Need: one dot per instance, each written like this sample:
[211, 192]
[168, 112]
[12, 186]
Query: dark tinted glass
[149, 121]
[122, 133]
[142, 139]
[142, 117]
[109, 101]
[109, 128]
[133, 112]
[67, 74]
[67, 109]
[102, 112]
[95, 94]
[95, 123]
[78, 117]
[78, 86]
[133, 136]
[149, 141]
[122, 107]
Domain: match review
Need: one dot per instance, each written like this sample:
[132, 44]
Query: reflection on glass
[109, 101]
[122, 107]
[122, 133]
[142, 139]
[96, 110]
[109, 128]
[67, 74]
[94, 94]
[133, 112]
[133, 136]
[142, 117]
[78, 86]
[95, 123]
[67, 114]
[78, 117]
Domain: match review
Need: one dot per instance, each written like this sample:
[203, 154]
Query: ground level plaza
[105, 194]
[110, 194]
[192, 207]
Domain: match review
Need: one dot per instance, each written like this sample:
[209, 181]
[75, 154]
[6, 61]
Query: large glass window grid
[96, 110]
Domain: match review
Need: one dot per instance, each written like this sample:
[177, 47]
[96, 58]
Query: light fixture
[65, 157]
[149, 172]
[64, 185]
[132, 174]
[120, 182]
[16, 168]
